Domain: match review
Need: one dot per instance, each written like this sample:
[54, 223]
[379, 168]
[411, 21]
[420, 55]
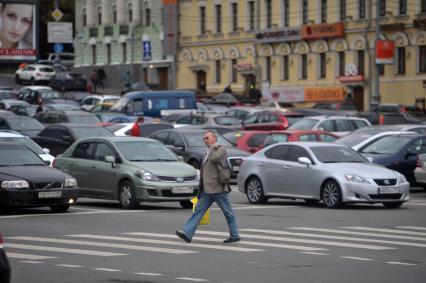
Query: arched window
[130, 11]
[114, 14]
[99, 15]
[84, 17]
[147, 11]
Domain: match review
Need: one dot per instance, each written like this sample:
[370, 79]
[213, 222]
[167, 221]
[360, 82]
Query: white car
[15, 137]
[358, 140]
[90, 101]
[338, 125]
[34, 74]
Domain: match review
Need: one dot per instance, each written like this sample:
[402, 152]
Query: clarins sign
[323, 31]
[279, 35]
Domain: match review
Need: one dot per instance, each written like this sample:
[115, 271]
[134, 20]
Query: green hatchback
[130, 170]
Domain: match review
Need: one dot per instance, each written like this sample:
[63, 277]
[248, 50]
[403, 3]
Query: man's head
[210, 137]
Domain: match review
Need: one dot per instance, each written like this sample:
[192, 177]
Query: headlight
[402, 179]
[356, 179]
[147, 176]
[198, 174]
[70, 183]
[19, 184]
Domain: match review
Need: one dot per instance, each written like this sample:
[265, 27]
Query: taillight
[54, 163]
[402, 109]
[418, 163]
[284, 123]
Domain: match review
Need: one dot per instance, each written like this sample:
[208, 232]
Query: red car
[250, 141]
[298, 135]
[271, 120]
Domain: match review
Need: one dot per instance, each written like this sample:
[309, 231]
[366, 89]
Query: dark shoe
[231, 240]
[183, 236]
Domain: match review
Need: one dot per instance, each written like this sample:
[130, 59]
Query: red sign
[323, 31]
[243, 67]
[385, 51]
[351, 79]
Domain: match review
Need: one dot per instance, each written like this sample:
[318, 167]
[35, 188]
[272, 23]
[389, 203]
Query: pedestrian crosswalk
[306, 240]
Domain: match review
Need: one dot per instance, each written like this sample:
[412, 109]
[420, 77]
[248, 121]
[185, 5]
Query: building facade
[304, 51]
[125, 38]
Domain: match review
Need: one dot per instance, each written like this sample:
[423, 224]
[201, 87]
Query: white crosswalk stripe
[28, 256]
[411, 228]
[394, 231]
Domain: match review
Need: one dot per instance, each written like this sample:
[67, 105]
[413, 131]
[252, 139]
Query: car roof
[115, 139]
[70, 112]
[311, 144]
[36, 87]
[75, 125]
[102, 96]
[323, 117]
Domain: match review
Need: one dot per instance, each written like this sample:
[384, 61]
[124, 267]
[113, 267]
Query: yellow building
[304, 50]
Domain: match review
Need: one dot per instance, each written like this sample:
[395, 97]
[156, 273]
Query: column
[106, 12]
[121, 12]
[137, 8]
[91, 13]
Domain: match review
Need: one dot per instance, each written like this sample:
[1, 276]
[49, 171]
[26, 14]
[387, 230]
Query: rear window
[227, 121]
[359, 124]
[304, 124]
[83, 119]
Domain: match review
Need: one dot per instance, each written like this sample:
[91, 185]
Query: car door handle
[286, 167]
[261, 164]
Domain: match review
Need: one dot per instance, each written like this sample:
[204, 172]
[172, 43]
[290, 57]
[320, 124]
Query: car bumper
[32, 198]
[420, 175]
[369, 193]
[163, 191]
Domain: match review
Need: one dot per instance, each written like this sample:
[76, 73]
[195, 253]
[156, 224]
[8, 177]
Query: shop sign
[243, 67]
[420, 23]
[392, 27]
[324, 94]
[385, 50]
[351, 74]
[323, 31]
[287, 94]
[279, 35]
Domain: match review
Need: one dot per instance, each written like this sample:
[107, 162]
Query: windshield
[304, 124]
[196, 140]
[18, 155]
[334, 154]
[120, 104]
[88, 132]
[25, 141]
[25, 123]
[83, 119]
[140, 151]
[387, 145]
[354, 139]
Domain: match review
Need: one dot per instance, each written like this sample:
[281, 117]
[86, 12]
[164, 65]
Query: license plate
[235, 168]
[49, 194]
[388, 190]
[182, 190]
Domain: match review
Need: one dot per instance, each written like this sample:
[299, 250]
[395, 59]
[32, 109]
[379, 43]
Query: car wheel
[60, 208]
[254, 191]
[311, 201]
[127, 196]
[17, 79]
[331, 194]
[186, 204]
[392, 204]
[32, 81]
[195, 164]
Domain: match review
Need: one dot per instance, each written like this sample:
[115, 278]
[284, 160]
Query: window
[361, 62]
[268, 8]
[85, 150]
[218, 71]
[234, 78]
[400, 61]
[108, 50]
[285, 68]
[93, 54]
[422, 59]
[323, 66]
[323, 11]
[361, 9]
[84, 17]
[296, 152]
[309, 137]
[343, 10]
[381, 70]
[286, 12]
[341, 63]
[251, 14]
[103, 150]
[344, 126]
[202, 20]
[268, 68]
[147, 16]
[124, 50]
[327, 126]
[279, 152]
[218, 11]
[256, 140]
[359, 124]
[327, 138]
[402, 7]
[114, 14]
[99, 12]
[304, 66]
[305, 12]
[423, 7]
[175, 140]
[162, 136]
[382, 8]
[234, 7]
[130, 11]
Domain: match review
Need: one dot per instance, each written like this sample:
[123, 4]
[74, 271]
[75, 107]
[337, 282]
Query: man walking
[211, 190]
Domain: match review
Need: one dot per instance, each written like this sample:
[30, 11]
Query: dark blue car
[398, 152]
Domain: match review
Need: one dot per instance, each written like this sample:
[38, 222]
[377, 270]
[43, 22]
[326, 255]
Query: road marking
[292, 247]
[313, 253]
[387, 231]
[306, 241]
[258, 206]
[31, 261]
[358, 233]
[191, 279]
[148, 274]
[341, 237]
[217, 247]
[61, 250]
[411, 228]
[357, 258]
[107, 269]
[27, 256]
[69, 265]
[70, 213]
[400, 263]
[97, 244]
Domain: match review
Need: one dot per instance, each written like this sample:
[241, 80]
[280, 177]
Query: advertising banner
[385, 51]
[287, 94]
[316, 94]
[323, 31]
[18, 31]
[279, 35]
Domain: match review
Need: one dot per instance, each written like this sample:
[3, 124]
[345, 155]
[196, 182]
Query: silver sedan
[317, 172]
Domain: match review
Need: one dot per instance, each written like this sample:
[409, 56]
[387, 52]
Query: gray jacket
[209, 172]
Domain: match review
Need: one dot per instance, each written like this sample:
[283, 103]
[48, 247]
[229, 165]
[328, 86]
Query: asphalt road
[282, 241]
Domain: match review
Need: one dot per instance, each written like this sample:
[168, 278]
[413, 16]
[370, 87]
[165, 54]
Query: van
[155, 103]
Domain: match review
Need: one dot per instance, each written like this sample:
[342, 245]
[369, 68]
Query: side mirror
[46, 150]
[181, 158]
[67, 139]
[304, 161]
[47, 162]
[110, 159]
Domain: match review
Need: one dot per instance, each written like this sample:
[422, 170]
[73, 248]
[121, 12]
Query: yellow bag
[206, 217]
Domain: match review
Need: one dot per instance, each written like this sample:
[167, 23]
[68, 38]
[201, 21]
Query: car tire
[254, 191]
[32, 81]
[126, 195]
[195, 164]
[392, 204]
[331, 194]
[18, 80]
[186, 204]
[60, 208]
